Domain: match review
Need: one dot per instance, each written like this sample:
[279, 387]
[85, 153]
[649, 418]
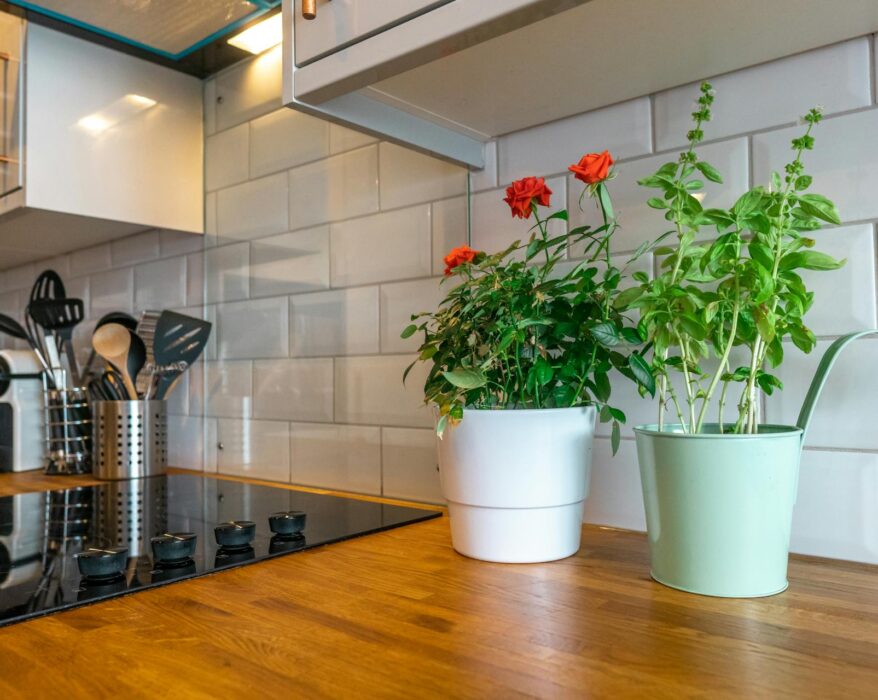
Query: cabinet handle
[309, 9]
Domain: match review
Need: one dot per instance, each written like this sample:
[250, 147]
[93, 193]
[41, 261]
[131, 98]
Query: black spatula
[179, 341]
[60, 316]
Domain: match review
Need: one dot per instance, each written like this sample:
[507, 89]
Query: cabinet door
[340, 23]
[11, 38]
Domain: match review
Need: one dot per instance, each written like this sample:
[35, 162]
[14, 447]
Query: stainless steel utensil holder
[130, 438]
[67, 418]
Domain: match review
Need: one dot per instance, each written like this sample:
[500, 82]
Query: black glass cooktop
[127, 536]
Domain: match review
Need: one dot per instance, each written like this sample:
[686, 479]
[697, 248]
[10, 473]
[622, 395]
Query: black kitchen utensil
[136, 357]
[13, 328]
[119, 317]
[60, 316]
[179, 341]
[48, 285]
[114, 386]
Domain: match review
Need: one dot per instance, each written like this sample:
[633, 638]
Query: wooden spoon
[113, 343]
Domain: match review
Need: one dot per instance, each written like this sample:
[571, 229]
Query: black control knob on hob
[102, 564]
[235, 535]
[289, 523]
[173, 549]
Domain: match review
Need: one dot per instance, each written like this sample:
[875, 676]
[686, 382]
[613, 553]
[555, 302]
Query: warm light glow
[120, 110]
[140, 101]
[95, 123]
[261, 36]
[699, 196]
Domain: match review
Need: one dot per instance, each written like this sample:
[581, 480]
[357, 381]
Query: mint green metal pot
[719, 507]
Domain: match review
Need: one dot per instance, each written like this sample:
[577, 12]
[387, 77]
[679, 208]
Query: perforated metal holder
[130, 439]
[68, 430]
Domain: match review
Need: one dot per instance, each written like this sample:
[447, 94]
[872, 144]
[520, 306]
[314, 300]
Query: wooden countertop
[400, 614]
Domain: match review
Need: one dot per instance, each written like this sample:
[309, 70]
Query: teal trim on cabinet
[263, 5]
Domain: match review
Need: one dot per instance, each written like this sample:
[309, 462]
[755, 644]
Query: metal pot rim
[675, 430]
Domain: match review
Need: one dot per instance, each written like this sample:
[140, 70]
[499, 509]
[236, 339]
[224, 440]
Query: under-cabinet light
[261, 36]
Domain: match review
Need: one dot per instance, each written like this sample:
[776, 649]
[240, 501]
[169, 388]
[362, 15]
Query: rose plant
[527, 328]
[740, 289]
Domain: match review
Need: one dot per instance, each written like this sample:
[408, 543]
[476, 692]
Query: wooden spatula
[113, 343]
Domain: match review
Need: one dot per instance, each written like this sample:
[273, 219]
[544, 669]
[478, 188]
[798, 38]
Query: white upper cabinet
[446, 77]
[340, 23]
[110, 145]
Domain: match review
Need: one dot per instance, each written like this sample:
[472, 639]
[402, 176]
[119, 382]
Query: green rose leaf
[465, 378]
[607, 335]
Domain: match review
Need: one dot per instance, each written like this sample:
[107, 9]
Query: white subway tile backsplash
[258, 449]
[388, 246]
[186, 442]
[614, 494]
[290, 263]
[836, 513]
[227, 390]
[88, 260]
[179, 242]
[140, 247]
[333, 189]
[623, 129]
[21, 277]
[844, 416]
[274, 414]
[160, 284]
[226, 157]
[253, 329]
[639, 222]
[835, 77]
[842, 162]
[112, 291]
[178, 398]
[398, 302]
[409, 177]
[284, 139]
[342, 139]
[449, 229]
[227, 273]
[195, 279]
[410, 464]
[253, 209]
[369, 390]
[338, 322]
[493, 227]
[844, 299]
[345, 457]
[293, 390]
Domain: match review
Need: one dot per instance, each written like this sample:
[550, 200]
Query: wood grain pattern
[400, 614]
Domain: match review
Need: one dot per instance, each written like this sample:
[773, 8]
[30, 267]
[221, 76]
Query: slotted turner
[60, 316]
[179, 340]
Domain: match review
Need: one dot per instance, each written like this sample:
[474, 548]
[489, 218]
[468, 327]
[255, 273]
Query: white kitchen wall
[322, 241]
[755, 117]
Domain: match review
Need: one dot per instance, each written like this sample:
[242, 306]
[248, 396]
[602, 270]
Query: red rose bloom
[463, 254]
[592, 168]
[521, 194]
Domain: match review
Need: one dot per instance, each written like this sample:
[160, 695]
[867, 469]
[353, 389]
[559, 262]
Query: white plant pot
[516, 482]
